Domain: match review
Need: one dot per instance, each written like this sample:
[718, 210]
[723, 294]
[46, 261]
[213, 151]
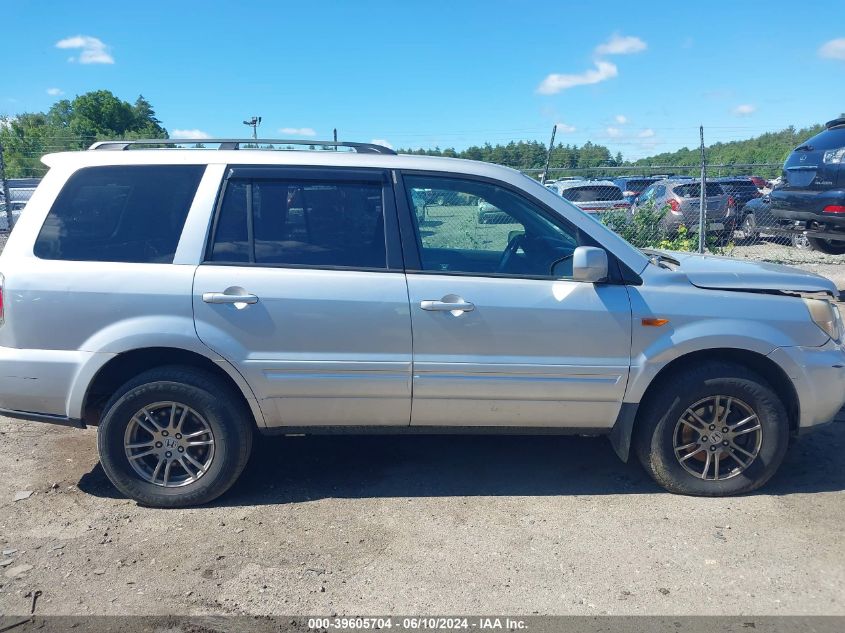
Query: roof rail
[236, 143]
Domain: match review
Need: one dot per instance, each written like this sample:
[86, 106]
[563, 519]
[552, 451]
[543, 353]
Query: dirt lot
[370, 525]
[421, 525]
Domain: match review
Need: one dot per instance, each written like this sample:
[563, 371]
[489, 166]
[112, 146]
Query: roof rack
[236, 143]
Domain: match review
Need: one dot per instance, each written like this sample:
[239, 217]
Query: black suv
[632, 186]
[811, 198]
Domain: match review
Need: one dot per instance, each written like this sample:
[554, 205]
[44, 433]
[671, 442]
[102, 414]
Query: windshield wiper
[661, 259]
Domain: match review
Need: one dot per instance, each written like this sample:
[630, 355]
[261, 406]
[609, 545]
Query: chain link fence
[662, 207]
[658, 206]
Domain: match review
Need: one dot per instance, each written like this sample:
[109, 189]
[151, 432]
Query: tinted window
[828, 139]
[595, 193]
[478, 228]
[693, 190]
[637, 185]
[120, 214]
[301, 224]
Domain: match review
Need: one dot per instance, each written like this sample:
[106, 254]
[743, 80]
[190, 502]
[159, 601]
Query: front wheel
[174, 437]
[715, 430]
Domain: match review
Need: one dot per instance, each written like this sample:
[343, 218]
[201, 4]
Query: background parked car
[682, 197]
[632, 186]
[17, 209]
[592, 196]
[760, 182]
[812, 194]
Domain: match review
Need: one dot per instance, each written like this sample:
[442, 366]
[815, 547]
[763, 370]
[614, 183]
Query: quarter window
[285, 222]
[131, 213]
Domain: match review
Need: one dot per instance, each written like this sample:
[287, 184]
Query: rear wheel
[749, 229]
[174, 437]
[716, 430]
[831, 247]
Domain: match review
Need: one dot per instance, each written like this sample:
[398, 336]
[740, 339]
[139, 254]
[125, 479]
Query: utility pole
[334, 135]
[254, 122]
[702, 201]
[7, 198]
[549, 155]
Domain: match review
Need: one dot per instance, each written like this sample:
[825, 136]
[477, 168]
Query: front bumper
[818, 374]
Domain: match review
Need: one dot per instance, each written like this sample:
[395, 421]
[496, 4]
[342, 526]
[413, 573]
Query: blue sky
[638, 78]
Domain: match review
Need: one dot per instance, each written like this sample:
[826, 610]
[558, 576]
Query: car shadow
[301, 469]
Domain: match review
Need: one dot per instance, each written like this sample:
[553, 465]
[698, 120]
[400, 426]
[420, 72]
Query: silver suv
[184, 300]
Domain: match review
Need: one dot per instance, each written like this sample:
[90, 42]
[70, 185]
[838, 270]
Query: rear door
[502, 334]
[302, 289]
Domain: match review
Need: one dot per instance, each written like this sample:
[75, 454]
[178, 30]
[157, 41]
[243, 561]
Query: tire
[749, 230]
[202, 401]
[831, 247]
[659, 431]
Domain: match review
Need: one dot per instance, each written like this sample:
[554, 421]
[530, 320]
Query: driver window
[472, 227]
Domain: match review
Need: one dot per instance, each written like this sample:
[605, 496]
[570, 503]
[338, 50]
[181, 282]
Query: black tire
[658, 423]
[749, 230]
[227, 417]
[831, 247]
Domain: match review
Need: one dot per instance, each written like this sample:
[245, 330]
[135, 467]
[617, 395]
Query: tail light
[630, 193]
[731, 201]
[834, 208]
[674, 206]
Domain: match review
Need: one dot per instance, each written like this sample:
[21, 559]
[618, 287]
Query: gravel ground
[323, 525]
[422, 525]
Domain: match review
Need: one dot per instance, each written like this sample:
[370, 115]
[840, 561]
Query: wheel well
[765, 367]
[127, 365]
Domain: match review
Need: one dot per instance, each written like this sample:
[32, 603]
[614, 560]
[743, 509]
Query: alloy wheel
[169, 444]
[717, 438]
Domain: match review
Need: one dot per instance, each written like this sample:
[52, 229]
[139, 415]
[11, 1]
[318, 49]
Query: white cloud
[613, 132]
[298, 131]
[834, 49]
[191, 134]
[621, 119]
[55, 92]
[604, 70]
[646, 133]
[621, 45]
[555, 83]
[94, 51]
[565, 128]
[381, 141]
[744, 109]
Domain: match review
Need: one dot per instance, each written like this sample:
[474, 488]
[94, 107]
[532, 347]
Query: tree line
[98, 115]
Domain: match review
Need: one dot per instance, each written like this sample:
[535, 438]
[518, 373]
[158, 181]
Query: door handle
[447, 306]
[222, 297]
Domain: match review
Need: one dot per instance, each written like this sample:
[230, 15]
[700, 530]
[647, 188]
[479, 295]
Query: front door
[502, 334]
[303, 291]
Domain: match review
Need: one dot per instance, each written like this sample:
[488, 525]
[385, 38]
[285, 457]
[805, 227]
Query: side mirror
[589, 264]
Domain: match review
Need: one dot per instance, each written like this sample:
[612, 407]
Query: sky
[639, 78]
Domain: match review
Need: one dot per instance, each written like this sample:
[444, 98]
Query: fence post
[6, 196]
[702, 201]
[549, 155]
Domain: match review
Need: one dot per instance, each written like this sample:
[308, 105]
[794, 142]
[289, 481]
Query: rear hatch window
[594, 193]
[806, 167]
[693, 190]
[638, 185]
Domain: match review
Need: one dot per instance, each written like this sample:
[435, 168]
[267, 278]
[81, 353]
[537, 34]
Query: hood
[725, 273]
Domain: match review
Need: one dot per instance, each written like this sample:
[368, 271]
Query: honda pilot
[185, 300]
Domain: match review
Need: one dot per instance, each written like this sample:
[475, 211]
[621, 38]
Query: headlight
[826, 315]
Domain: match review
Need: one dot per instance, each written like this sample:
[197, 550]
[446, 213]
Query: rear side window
[693, 190]
[285, 222]
[598, 193]
[132, 213]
